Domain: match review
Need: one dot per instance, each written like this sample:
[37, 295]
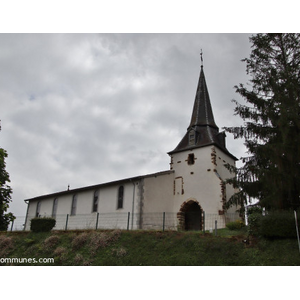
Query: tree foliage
[271, 130]
[5, 193]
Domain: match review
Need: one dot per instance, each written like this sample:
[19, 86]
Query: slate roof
[202, 112]
[202, 130]
[101, 185]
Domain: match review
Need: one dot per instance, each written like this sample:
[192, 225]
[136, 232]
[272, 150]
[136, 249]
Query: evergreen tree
[5, 193]
[271, 172]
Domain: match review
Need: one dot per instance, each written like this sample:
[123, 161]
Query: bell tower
[198, 161]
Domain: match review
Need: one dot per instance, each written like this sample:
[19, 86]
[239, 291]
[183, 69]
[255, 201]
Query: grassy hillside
[144, 248]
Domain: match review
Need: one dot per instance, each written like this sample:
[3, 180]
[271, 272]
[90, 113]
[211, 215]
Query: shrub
[79, 240]
[78, 258]
[236, 225]
[254, 215]
[280, 224]
[51, 242]
[59, 251]
[5, 242]
[254, 210]
[254, 221]
[6, 245]
[60, 255]
[99, 240]
[103, 239]
[42, 224]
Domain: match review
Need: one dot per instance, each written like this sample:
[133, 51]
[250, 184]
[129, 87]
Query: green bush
[254, 215]
[254, 223]
[42, 224]
[279, 224]
[254, 210]
[236, 225]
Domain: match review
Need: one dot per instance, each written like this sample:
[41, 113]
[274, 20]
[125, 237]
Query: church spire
[202, 112]
[202, 130]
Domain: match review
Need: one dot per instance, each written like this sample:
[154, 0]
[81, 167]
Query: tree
[5, 193]
[271, 172]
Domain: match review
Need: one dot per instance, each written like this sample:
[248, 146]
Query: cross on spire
[201, 53]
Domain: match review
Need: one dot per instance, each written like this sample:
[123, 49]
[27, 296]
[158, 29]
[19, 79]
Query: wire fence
[146, 221]
[18, 224]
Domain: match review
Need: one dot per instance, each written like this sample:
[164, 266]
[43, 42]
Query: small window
[120, 197]
[192, 138]
[54, 208]
[74, 205]
[38, 208]
[191, 159]
[95, 201]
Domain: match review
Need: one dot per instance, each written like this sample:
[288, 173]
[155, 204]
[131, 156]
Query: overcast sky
[84, 109]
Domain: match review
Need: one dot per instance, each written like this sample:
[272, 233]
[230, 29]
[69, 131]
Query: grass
[147, 248]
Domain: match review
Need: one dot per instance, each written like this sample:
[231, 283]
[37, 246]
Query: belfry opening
[190, 216]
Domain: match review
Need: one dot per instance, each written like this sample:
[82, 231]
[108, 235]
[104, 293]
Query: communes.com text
[17, 260]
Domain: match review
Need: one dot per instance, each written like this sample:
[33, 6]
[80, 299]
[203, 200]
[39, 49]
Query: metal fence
[18, 224]
[128, 221]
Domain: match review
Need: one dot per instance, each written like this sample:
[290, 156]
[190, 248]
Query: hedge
[278, 225]
[42, 224]
[236, 225]
[274, 224]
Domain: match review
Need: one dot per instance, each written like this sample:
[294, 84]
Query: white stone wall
[196, 182]
[221, 159]
[158, 193]
[158, 198]
[84, 217]
[201, 181]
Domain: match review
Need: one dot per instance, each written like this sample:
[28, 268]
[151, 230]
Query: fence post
[203, 221]
[164, 217]
[216, 222]
[97, 220]
[67, 222]
[12, 225]
[297, 229]
[128, 220]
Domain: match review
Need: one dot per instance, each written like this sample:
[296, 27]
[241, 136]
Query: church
[191, 195]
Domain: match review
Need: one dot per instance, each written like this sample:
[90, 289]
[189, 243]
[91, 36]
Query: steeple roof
[202, 130]
[202, 112]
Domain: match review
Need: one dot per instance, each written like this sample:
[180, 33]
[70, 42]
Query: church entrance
[190, 216]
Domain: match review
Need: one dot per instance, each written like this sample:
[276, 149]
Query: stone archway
[190, 215]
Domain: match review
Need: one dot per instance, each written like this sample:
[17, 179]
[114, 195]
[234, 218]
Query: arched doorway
[190, 216]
